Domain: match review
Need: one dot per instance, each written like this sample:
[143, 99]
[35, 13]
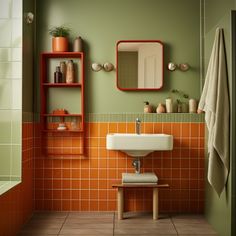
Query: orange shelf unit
[50, 121]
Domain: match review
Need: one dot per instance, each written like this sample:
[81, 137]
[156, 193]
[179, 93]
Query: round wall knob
[96, 67]
[172, 66]
[108, 66]
[183, 66]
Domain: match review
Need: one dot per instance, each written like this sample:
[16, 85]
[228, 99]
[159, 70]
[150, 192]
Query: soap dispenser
[147, 108]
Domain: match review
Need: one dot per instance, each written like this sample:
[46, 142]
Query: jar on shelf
[70, 72]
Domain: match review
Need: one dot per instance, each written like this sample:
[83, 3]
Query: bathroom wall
[85, 183]
[102, 23]
[16, 205]
[218, 14]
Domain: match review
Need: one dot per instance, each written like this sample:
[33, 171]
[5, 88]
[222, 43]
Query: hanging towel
[215, 102]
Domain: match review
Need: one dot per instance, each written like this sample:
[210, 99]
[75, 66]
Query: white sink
[139, 145]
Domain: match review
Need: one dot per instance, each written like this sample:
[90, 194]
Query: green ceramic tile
[5, 25]
[16, 126]
[5, 54]
[6, 93]
[16, 161]
[5, 160]
[5, 127]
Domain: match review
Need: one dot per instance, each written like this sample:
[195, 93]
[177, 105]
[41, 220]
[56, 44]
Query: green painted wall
[102, 23]
[218, 14]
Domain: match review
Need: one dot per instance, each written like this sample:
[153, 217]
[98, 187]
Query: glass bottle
[77, 44]
[58, 75]
[63, 71]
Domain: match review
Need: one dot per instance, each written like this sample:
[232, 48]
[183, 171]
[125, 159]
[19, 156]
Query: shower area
[10, 93]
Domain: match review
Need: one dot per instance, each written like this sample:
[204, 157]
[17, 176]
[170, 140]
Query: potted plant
[181, 95]
[59, 40]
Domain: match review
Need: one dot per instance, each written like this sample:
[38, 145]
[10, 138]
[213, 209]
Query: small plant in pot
[181, 105]
[60, 38]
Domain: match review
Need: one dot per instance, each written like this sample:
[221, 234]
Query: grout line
[63, 223]
[173, 225]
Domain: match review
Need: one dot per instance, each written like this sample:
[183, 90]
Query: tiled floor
[104, 224]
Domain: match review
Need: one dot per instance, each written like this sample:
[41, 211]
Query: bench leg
[120, 203]
[155, 203]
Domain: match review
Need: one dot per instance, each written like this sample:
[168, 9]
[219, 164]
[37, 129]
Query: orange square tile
[93, 142]
[102, 194]
[84, 184]
[102, 173]
[202, 130]
[84, 164]
[102, 152]
[57, 184]
[185, 129]
[66, 194]
[185, 153]
[130, 127]
[94, 194]
[67, 142]
[185, 173]
[121, 127]
[75, 173]
[85, 194]
[85, 205]
[103, 129]
[57, 173]
[93, 205]
[66, 205]
[194, 143]
[195, 127]
[94, 163]
[167, 128]
[148, 127]
[66, 173]
[93, 184]
[112, 163]
[93, 129]
[75, 194]
[93, 173]
[56, 194]
[75, 205]
[93, 152]
[76, 142]
[111, 206]
[112, 127]
[75, 184]
[157, 127]
[112, 174]
[184, 163]
[102, 206]
[102, 184]
[175, 173]
[102, 142]
[194, 174]
[176, 129]
[66, 184]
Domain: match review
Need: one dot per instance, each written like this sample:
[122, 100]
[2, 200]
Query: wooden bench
[120, 196]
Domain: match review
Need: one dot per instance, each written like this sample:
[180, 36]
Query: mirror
[139, 65]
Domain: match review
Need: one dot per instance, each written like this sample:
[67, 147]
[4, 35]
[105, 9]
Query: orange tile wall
[16, 205]
[85, 184]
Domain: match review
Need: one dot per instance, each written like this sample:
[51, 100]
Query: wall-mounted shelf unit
[68, 96]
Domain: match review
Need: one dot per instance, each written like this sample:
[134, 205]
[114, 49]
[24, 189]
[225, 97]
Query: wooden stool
[120, 196]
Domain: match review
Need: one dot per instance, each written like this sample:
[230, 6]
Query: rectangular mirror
[139, 65]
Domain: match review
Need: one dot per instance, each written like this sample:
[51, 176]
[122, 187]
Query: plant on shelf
[182, 98]
[60, 38]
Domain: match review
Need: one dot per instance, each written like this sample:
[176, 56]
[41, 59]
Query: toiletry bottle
[58, 75]
[70, 72]
[192, 106]
[169, 105]
[147, 108]
[77, 44]
[63, 71]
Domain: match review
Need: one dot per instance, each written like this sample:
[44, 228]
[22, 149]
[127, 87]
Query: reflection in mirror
[139, 65]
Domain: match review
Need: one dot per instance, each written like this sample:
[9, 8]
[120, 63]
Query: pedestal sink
[139, 145]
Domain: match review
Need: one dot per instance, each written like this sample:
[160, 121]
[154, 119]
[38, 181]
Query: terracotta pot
[59, 44]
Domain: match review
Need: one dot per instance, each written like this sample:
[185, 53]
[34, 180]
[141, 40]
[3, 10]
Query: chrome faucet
[138, 126]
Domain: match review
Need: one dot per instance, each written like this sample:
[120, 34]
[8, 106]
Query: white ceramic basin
[139, 145]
